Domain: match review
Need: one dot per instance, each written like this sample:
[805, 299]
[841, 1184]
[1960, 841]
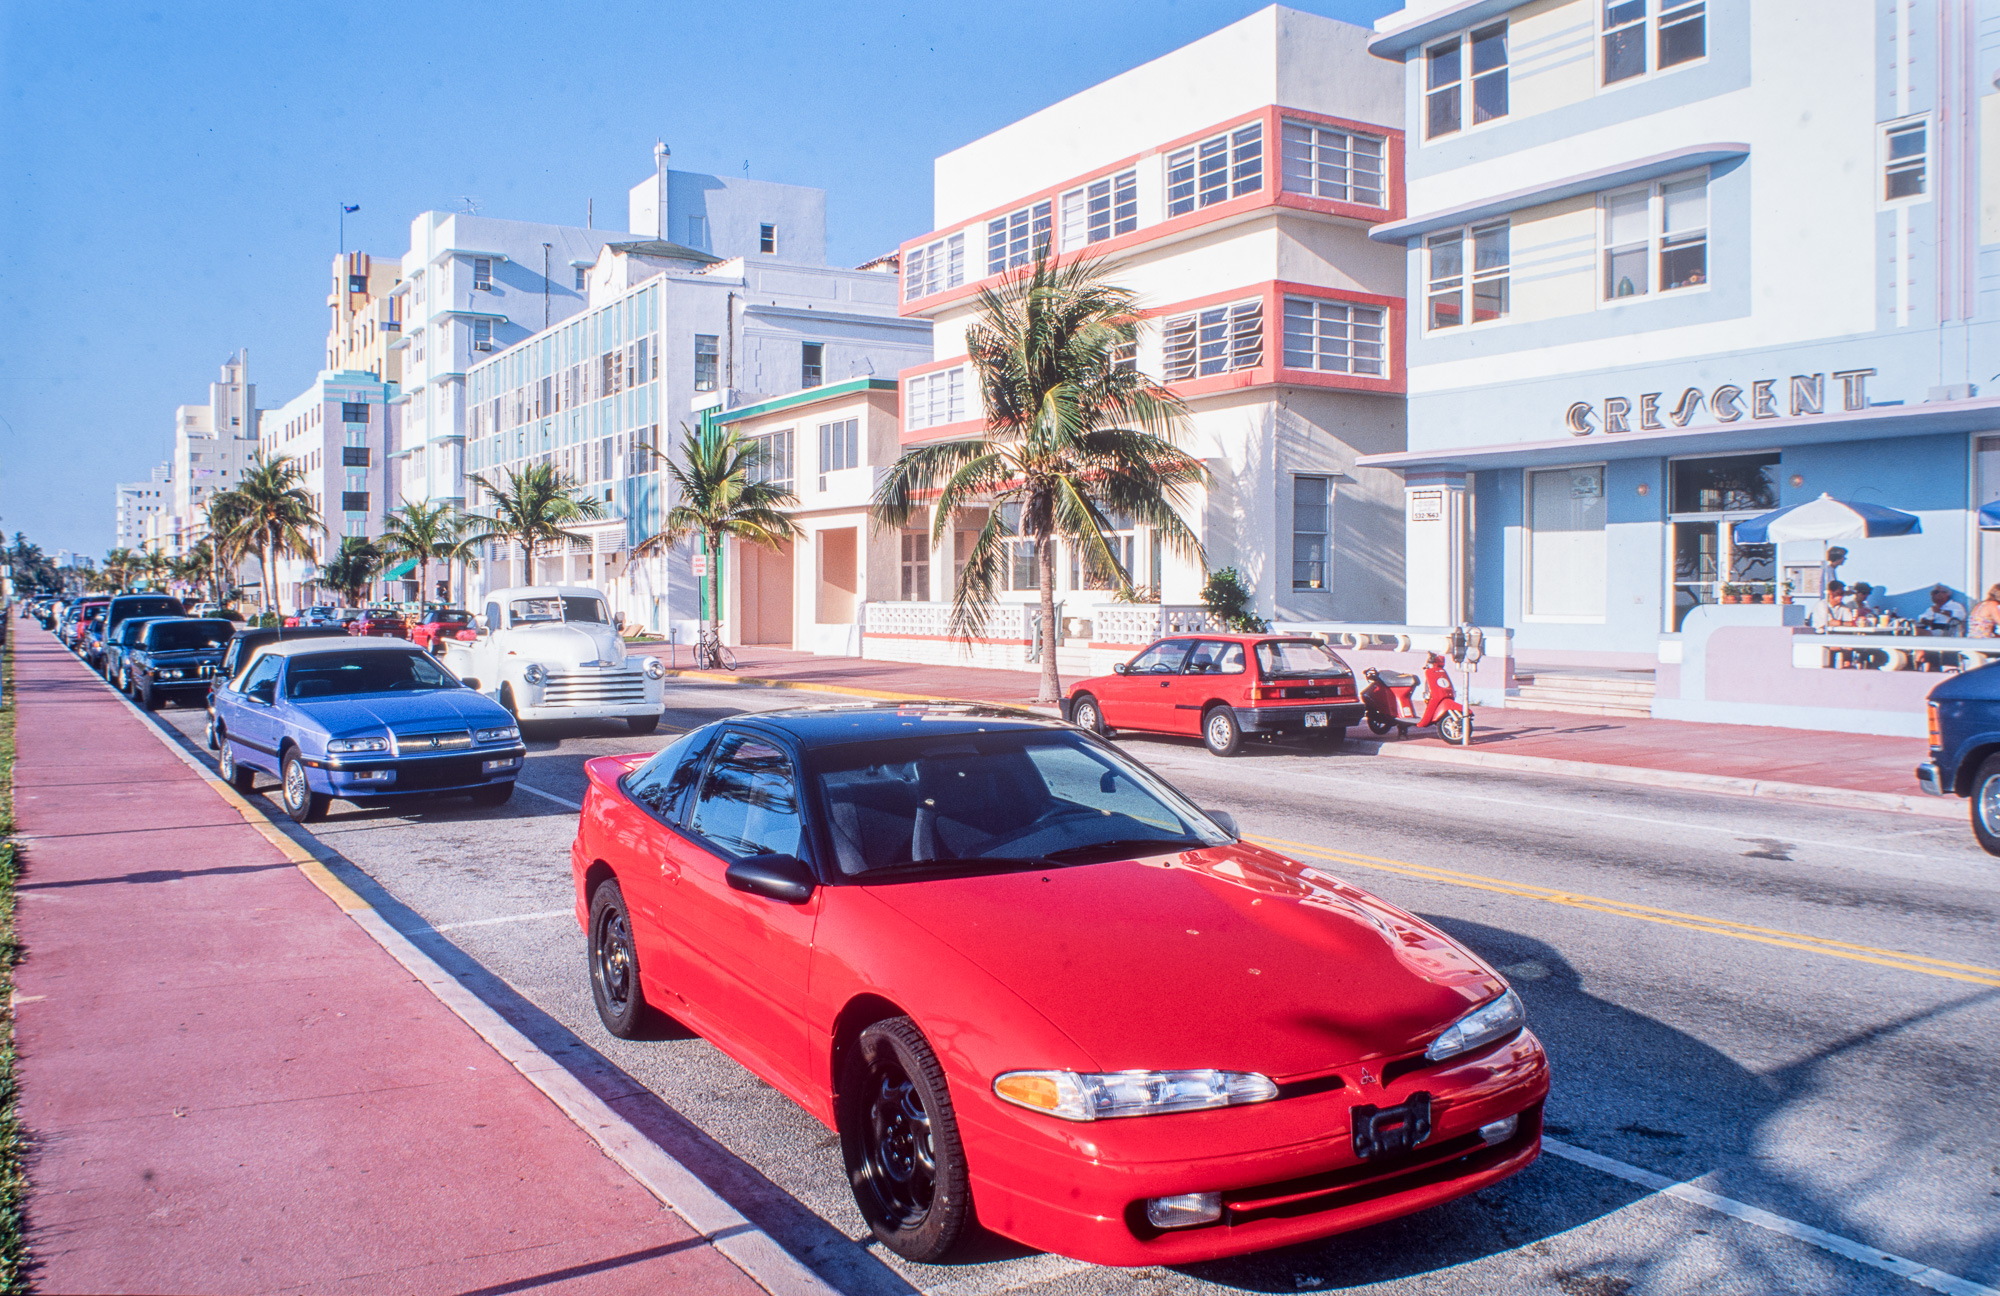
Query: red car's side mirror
[1119, 668]
[775, 877]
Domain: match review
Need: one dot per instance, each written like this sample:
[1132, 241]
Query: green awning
[402, 570]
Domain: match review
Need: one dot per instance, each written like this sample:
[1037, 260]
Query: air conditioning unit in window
[482, 287]
[482, 346]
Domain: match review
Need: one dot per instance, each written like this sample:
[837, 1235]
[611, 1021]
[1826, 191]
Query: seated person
[1945, 615]
[1831, 609]
[1984, 621]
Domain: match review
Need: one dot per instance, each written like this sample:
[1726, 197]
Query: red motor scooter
[1405, 702]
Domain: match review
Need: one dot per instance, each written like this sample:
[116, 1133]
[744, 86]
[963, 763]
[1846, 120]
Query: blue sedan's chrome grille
[409, 743]
[590, 687]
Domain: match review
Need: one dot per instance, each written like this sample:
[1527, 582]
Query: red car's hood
[1233, 957]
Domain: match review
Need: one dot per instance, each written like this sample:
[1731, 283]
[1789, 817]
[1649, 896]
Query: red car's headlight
[1490, 1021]
[1104, 1096]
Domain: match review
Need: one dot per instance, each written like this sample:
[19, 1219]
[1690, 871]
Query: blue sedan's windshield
[346, 674]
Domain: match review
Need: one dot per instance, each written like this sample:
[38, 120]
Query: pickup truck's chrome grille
[594, 687]
[411, 743]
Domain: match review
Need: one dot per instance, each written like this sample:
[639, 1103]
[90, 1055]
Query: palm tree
[225, 542]
[1072, 437]
[156, 565]
[119, 566]
[425, 532]
[350, 568]
[272, 515]
[532, 507]
[191, 570]
[720, 496]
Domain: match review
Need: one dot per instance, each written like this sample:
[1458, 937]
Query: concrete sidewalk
[230, 1087]
[1858, 770]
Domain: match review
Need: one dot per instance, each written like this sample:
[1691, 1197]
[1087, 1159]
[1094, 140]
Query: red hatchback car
[1222, 687]
[381, 622]
[1029, 983]
[438, 625]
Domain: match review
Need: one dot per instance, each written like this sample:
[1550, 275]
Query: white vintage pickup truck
[550, 652]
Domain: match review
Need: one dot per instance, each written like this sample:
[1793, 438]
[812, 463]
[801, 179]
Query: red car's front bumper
[1087, 1199]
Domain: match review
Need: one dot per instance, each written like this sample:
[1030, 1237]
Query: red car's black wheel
[899, 1137]
[614, 964]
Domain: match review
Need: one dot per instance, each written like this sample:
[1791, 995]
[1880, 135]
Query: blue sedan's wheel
[236, 776]
[899, 1138]
[302, 803]
[1986, 805]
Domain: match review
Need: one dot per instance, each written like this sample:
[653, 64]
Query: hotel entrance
[1706, 498]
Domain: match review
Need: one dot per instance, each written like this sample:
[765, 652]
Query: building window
[1906, 158]
[812, 364]
[357, 283]
[417, 345]
[774, 459]
[354, 501]
[1312, 499]
[353, 412]
[1227, 166]
[1100, 210]
[582, 277]
[1017, 238]
[482, 272]
[1661, 226]
[1328, 162]
[704, 361]
[354, 456]
[767, 238]
[934, 399]
[482, 335]
[1087, 568]
[1333, 336]
[1480, 59]
[1680, 28]
[698, 233]
[1491, 262]
[916, 567]
[1215, 341]
[1124, 357]
[839, 447]
[1566, 573]
[934, 267]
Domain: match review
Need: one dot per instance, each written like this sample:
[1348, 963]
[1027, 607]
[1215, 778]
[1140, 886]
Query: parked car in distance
[90, 640]
[1965, 748]
[1046, 989]
[436, 625]
[243, 649]
[385, 623]
[550, 652]
[365, 721]
[174, 660]
[76, 619]
[131, 605]
[1222, 687]
[115, 646]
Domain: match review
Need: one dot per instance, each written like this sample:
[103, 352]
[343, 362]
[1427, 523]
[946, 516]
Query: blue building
[1674, 264]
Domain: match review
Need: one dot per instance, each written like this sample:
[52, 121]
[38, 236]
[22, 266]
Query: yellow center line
[1898, 959]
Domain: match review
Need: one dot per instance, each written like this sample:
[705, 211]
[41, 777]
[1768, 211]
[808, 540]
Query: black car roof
[256, 637]
[827, 726]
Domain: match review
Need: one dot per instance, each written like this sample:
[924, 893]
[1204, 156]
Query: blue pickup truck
[1965, 748]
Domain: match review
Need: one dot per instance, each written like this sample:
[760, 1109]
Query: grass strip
[13, 1139]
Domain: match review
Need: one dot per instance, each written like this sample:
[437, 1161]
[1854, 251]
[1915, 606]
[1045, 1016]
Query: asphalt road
[1780, 1005]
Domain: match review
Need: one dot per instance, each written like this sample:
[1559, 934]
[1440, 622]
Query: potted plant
[1732, 594]
[1784, 591]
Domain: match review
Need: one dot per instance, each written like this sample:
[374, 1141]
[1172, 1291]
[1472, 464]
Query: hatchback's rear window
[1297, 657]
[189, 636]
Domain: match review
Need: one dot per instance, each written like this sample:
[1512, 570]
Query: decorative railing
[933, 620]
[1137, 624]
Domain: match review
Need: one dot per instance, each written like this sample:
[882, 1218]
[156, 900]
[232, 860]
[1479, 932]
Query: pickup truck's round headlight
[655, 668]
[533, 673]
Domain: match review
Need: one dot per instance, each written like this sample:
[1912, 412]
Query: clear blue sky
[172, 170]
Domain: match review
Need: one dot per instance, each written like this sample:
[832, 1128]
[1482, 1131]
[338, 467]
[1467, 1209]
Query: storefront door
[1707, 498]
[1697, 567]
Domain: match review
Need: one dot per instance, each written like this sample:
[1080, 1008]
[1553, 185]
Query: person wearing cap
[1945, 615]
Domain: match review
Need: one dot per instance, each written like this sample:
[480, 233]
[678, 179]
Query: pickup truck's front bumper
[1930, 780]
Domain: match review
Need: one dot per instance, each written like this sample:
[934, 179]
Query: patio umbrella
[1827, 519]
[1989, 516]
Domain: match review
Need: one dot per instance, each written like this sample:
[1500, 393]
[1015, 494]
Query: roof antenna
[471, 204]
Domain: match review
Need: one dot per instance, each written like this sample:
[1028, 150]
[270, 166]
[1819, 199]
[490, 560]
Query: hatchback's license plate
[1315, 719]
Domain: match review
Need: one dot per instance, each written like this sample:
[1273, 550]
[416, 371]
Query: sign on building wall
[1729, 403]
[1426, 506]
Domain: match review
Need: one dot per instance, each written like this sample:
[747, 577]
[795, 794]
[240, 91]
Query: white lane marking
[547, 796]
[1024, 1273]
[1736, 831]
[509, 918]
[1920, 1274]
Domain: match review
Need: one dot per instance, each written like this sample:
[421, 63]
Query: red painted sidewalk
[230, 1087]
[1852, 762]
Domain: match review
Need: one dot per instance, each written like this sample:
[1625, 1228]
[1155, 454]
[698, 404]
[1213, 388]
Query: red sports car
[382, 622]
[1222, 687]
[438, 625]
[1018, 973]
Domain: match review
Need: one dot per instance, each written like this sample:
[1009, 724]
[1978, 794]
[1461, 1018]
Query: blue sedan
[364, 721]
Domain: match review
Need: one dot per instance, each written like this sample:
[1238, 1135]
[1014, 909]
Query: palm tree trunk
[1051, 693]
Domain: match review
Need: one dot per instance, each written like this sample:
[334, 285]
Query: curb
[721, 1225]
[1922, 805]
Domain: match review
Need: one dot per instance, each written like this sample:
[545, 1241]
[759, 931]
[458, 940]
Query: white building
[213, 444]
[1231, 184]
[336, 431]
[138, 503]
[671, 331]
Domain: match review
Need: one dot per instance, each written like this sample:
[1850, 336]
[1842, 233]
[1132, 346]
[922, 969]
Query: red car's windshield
[1297, 657]
[907, 805]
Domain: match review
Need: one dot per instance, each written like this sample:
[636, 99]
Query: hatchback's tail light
[1937, 738]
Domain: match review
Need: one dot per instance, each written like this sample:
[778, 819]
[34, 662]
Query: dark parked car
[76, 619]
[384, 623]
[246, 645]
[90, 640]
[1965, 748]
[138, 605]
[174, 660]
[116, 646]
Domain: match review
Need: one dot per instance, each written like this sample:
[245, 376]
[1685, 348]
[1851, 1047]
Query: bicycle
[710, 653]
